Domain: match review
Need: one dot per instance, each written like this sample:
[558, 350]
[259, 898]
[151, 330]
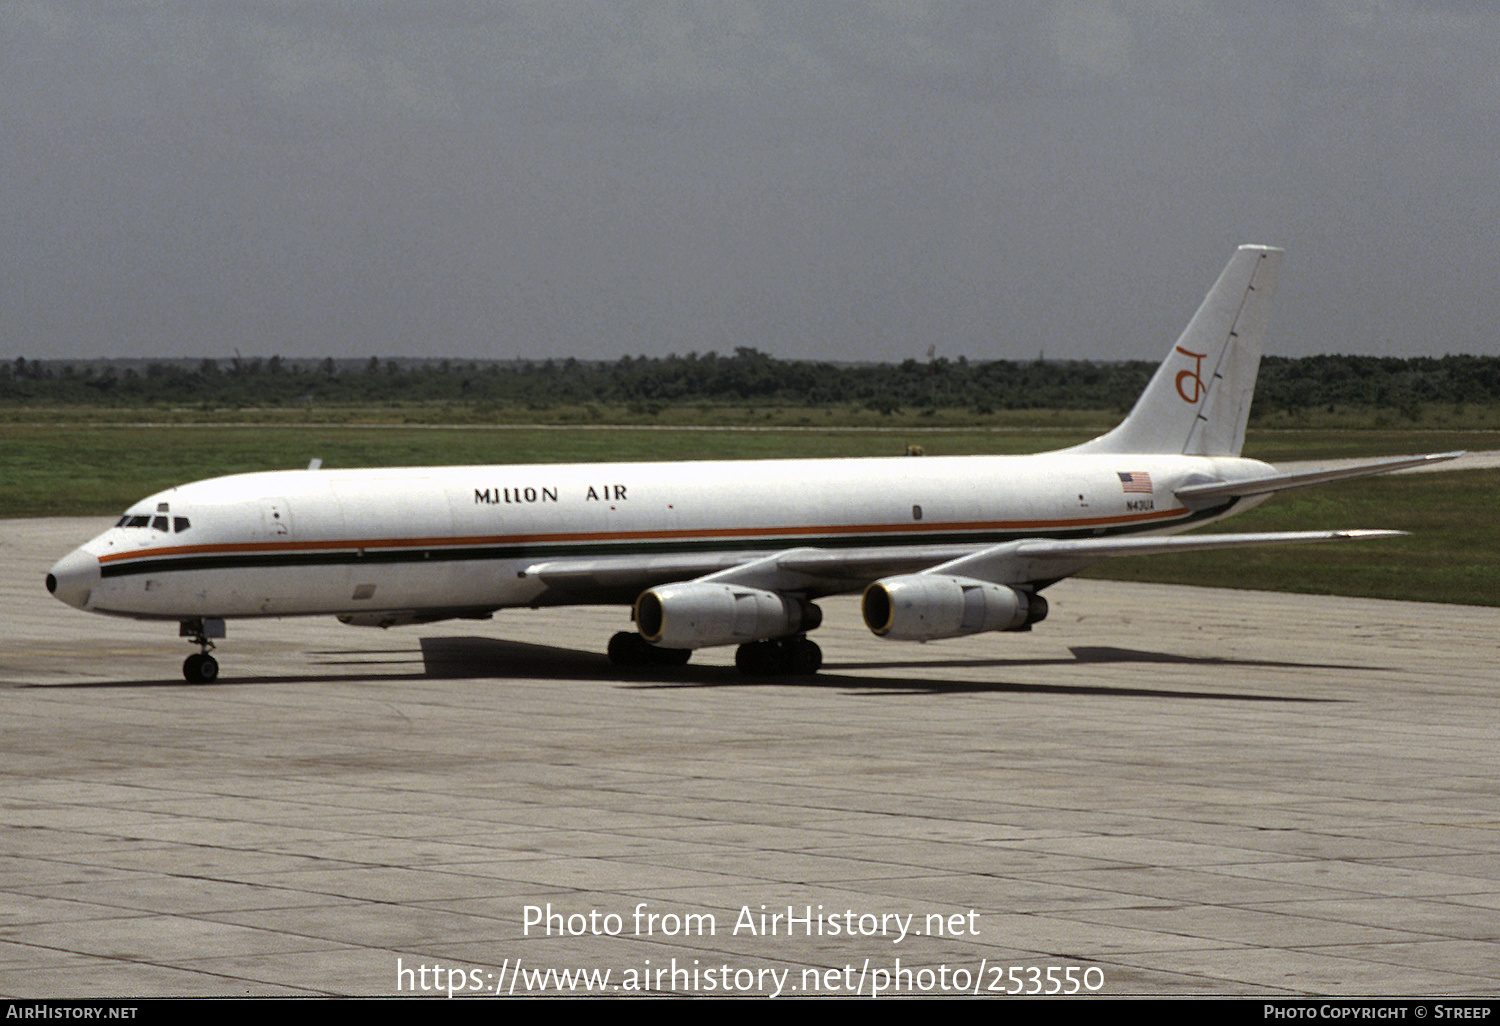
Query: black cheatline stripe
[429, 554]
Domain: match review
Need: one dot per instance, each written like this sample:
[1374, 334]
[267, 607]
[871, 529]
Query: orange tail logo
[1191, 375]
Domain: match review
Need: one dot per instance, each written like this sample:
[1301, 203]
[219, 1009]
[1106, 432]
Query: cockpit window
[164, 524]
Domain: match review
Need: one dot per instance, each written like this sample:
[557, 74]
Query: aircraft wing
[621, 578]
[1196, 494]
[1047, 559]
[816, 572]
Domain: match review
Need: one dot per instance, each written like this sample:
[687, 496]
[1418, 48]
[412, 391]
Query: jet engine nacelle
[926, 607]
[702, 614]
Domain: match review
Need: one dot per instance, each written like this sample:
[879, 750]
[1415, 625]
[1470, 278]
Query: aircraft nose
[74, 578]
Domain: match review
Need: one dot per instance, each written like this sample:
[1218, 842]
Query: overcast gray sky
[854, 180]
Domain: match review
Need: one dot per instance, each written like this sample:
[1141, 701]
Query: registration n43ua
[719, 553]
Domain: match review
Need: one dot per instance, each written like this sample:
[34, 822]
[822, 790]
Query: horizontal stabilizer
[1303, 478]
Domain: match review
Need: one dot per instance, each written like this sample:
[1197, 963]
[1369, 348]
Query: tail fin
[1199, 399]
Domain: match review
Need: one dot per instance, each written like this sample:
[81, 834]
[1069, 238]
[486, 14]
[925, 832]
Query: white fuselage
[352, 542]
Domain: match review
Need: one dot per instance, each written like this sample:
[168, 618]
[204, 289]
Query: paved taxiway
[1192, 791]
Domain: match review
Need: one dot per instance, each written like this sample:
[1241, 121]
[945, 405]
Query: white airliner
[719, 553]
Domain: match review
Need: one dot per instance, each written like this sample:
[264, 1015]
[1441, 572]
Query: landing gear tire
[807, 657]
[630, 649]
[200, 668]
[779, 657]
[672, 656]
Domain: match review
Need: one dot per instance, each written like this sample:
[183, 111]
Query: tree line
[746, 377]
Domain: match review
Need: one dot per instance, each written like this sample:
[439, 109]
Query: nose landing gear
[201, 668]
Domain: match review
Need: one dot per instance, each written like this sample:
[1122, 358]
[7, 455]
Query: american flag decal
[1135, 481]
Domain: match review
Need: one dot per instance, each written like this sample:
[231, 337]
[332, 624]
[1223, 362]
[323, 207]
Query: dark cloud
[855, 181]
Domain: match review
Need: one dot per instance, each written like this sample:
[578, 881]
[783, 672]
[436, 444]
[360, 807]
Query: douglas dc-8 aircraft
[719, 553]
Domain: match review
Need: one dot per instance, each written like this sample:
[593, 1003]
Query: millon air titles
[509, 496]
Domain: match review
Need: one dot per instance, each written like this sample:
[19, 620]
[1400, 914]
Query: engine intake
[927, 607]
[704, 614]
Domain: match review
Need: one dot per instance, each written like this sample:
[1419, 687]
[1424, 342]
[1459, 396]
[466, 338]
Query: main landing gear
[628, 648]
[201, 668]
[779, 656]
[776, 657]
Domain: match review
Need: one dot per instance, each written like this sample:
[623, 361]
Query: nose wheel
[201, 668]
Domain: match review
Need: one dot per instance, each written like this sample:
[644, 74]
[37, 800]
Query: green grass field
[65, 468]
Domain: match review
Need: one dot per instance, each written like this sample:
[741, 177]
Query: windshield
[159, 523]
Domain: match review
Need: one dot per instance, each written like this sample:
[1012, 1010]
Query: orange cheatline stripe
[615, 536]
